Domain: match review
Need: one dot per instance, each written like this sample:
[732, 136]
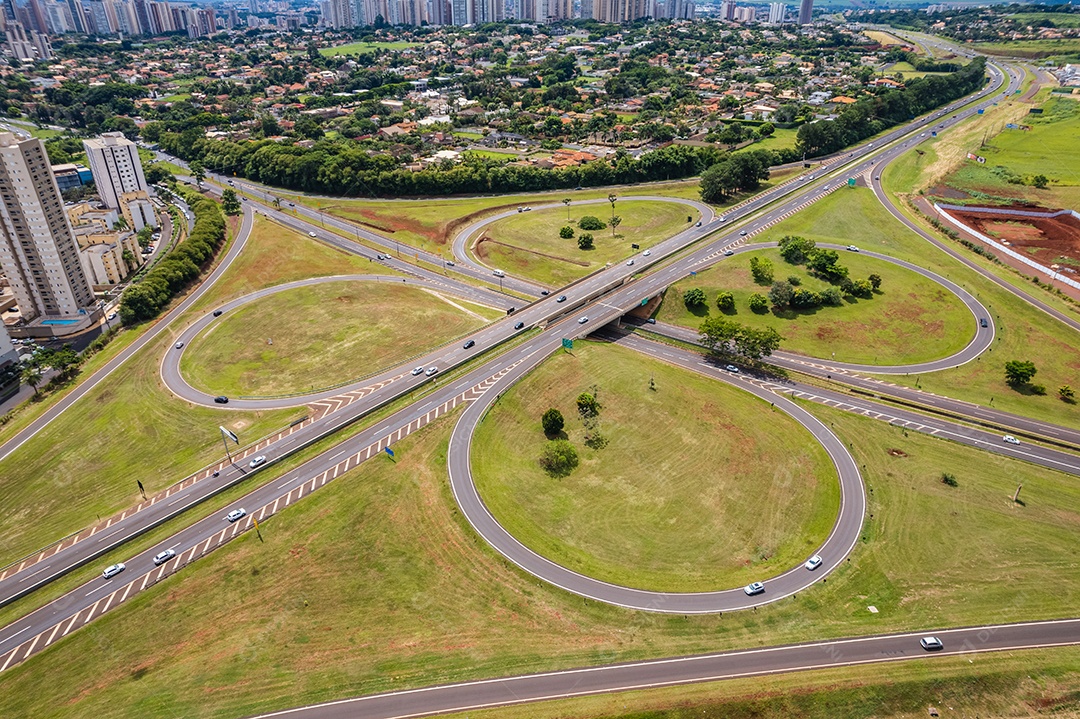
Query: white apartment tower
[38, 253]
[777, 10]
[114, 162]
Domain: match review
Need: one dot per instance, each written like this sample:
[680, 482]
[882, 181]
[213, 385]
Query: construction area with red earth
[1050, 240]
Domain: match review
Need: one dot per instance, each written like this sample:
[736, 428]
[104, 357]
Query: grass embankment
[1014, 684]
[373, 583]
[1032, 49]
[84, 464]
[1023, 332]
[910, 319]
[1049, 148]
[700, 486]
[322, 335]
[528, 243]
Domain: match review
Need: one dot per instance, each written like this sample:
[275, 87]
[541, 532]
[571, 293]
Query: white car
[813, 562]
[754, 588]
[852, 248]
[732, 368]
[236, 515]
[931, 644]
[162, 557]
[113, 570]
[646, 253]
[261, 459]
[417, 371]
[1010, 439]
[311, 234]
[431, 370]
[629, 263]
[722, 218]
[728, 253]
[583, 320]
[179, 345]
[742, 234]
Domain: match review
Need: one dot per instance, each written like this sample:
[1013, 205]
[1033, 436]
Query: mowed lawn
[528, 243]
[321, 335]
[910, 319]
[365, 48]
[374, 583]
[700, 487]
[130, 427]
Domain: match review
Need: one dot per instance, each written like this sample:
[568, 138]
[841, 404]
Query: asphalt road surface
[676, 671]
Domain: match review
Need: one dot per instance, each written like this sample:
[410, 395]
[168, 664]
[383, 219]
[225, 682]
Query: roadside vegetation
[377, 575]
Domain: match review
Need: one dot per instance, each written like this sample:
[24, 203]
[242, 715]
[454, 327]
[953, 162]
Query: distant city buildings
[38, 253]
[777, 10]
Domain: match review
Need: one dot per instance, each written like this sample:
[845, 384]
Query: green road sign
[567, 344]
[645, 302]
[851, 182]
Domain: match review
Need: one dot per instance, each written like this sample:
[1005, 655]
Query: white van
[499, 273]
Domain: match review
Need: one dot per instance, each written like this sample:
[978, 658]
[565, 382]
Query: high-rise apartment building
[806, 12]
[727, 10]
[777, 10]
[620, 11]
[114, 162]
[38, 253]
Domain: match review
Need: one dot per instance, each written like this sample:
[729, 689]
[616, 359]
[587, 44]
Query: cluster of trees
[872, 115]
[559, 456]
[919, 62]
[343, 168]
[726, 337]
[146, 299]
[64, 361]
[821, 263]
[588, 222]
[740, 172]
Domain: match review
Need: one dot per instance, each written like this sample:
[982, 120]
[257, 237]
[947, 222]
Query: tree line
[146, 299]
[875, 114]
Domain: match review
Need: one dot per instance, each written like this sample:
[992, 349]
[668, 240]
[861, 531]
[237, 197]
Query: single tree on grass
[694, 297]
[229, 203]
[585, 241]
[559, 458]
[615, 222]
[875, 281]
[587, 405]
[758, 303]
[567, 232]
[1019, 373]
[612, 198]
[1067, 394]
[566, 201]
[725, 301]
[552, 422]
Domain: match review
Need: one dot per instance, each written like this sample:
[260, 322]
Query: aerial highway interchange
[499, 355]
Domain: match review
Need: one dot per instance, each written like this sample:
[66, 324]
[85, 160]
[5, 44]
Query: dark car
[469, 344]
[544, 293]
[519, 325]
[217, 313]
[983, 322]
[221, 399]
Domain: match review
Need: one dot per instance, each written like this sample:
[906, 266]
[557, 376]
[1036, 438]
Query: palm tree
[566, 201]
[611, 198]
[31, 375]
[120, 224]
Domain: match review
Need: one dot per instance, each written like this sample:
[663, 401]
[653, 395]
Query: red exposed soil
[1046, 240]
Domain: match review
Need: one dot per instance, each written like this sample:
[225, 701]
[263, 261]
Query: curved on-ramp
[841, 540]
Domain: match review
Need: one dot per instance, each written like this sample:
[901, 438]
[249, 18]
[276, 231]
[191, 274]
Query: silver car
[162, 557]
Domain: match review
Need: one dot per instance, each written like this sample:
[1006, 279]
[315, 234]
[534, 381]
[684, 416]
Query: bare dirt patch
[1051, 240]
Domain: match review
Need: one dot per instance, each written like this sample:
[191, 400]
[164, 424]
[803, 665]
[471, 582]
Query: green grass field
[365, 48]
[1060, 19]
[85, 463]
[322, 335]
[528, 243]
[700, 486]
[1033, 49]
[912, 319]
[1048, 148]
[373, 583]
[1023, 332]
[493, 154]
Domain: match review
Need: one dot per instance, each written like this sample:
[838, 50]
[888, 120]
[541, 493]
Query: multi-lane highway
[605, 295]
